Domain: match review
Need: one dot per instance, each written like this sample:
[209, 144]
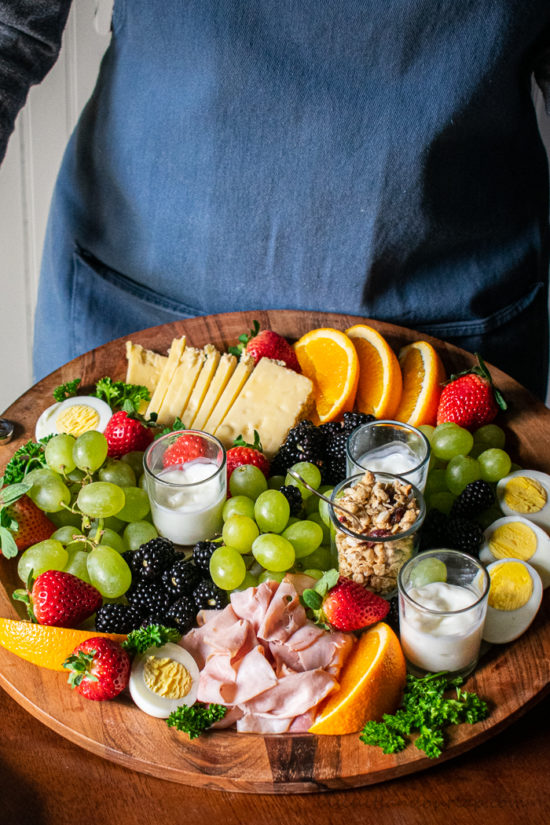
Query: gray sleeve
[30, 39]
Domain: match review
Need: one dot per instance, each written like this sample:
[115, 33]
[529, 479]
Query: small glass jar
[389, 446]
[391, 511]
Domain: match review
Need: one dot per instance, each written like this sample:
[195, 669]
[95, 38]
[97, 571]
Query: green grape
[137, 533]
[108, 571]
[238, 506]
[316, 519]
[59, 453]
[110, 538]
[461, 470]
[135, 460]
[310, 473]
[65, 534]
[451, 441]
[247, 480]
[314, 572]
[477, 449]
[136, 505]
[112, 522]
[442, 501]
[117, 472]
[142, 483]
[78, 565]
[292, 520]
[311, 505]
[491, 435]
[48, 491]
[227, 568]
[100, 499]
[272, 511]
[76, 476]
[248, 581]
[436, 482]
[324, 507]
[428, 431]
[305, 537]
[275, 482]
[90, 451]
[428, 570]
[495, 464]
[45, 555]
[321, 559]
[486, 518]
[240, 532]
[273, 552]
[72, 546]
[65, 517]
[271, 575]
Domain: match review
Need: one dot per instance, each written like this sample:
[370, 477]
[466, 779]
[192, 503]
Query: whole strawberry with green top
[99, 668]
[339, 603]
[127, 432]
[59, 599]
[242, 453]
[266, 344]
[470, 399]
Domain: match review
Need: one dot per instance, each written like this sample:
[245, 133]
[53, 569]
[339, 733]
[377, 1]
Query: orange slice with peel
[380, 382]
[423, 374]
[327, 356]
[371, 684]
[45, 645]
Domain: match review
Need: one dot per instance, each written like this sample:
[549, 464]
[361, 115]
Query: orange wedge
[371, 684]
[328, 357]
[44, 645]
[423, 374]
[380, 381]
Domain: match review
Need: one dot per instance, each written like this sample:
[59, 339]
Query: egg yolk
[511, 586]
[513, 540]
[166, 677]
[525, 495]
[77, 419]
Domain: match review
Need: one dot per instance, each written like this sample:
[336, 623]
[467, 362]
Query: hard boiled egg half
[514, 537]
[515, 595]
[162, 679]
[526, 493]
[74, 416]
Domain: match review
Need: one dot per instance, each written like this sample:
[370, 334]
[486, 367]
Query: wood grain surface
[513, 678]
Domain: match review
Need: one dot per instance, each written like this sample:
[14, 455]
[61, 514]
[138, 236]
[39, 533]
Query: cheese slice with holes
[226, 368]
[181, 386]
[174, 355]
[209, 367]
[272, 401]
[144, 366]
[235, 384]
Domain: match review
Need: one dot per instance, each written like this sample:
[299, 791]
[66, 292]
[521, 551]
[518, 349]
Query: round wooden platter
[512, 678]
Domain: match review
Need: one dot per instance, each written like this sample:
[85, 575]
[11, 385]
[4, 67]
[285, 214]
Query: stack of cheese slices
[220, 394]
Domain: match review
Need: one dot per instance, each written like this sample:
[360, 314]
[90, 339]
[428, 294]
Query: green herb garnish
[425, 709]
[67, 390]
[155, 635]
[117, 394]
[176, 426]
[195, 719]
[28, 457]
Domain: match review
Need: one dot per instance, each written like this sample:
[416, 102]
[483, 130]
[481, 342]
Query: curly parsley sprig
[117, 394]
[195, 719]
[154, 635]
[28, 457]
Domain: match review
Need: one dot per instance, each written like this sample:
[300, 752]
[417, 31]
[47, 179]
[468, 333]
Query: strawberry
[21, 522]
[343, 604]
[100, 668]
[470, 399]
[59, 599]
[242, 453]
[185, 448]
[126, 432]
[266, 344]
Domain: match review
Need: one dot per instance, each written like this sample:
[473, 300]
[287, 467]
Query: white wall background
[27, 178]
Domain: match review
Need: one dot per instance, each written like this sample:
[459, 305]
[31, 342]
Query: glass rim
[455, 553]
[176, 484]
[367, 536]
[397, 424]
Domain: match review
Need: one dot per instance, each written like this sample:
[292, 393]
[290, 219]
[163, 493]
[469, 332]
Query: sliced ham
[294, 694]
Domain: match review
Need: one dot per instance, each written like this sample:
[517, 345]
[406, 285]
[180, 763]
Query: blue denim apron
[373, 157]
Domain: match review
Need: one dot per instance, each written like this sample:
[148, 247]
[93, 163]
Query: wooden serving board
[512, 678]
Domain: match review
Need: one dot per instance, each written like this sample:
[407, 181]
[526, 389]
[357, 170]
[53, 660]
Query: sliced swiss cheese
[234, 386]
[174, 355]
[144, 366]
[226, 368]
[181, 386]
[272, 401]
[209, 367]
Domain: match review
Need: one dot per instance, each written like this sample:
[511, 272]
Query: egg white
[540, 559]
[47, 422]
[151, 702]
[541, 517]
[503, 626]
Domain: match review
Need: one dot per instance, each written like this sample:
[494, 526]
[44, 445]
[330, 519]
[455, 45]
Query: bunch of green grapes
[99, 507]
[261, 540]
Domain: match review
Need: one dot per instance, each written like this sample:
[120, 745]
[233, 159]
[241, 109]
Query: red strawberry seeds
[33, 525]
[242, 453]
[100, 668]
[470, 399]
[349, 606]
[126, 433]
[60, 599]
[186, 448]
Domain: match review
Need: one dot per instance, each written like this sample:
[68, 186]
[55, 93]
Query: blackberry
[148, 598]
[434, 531]
[181, 579]
[202, 552]
[294, 498]
[207, 596]
[116, 618]
[464, 535]
[393, 616]
[182, 614]
[476, 497]
[334, 469]
[304, 442]
[152, 558]
[352, 420]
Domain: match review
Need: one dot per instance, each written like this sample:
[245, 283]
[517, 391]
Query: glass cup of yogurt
[442, 607]
[389, 447]
[186, 498]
